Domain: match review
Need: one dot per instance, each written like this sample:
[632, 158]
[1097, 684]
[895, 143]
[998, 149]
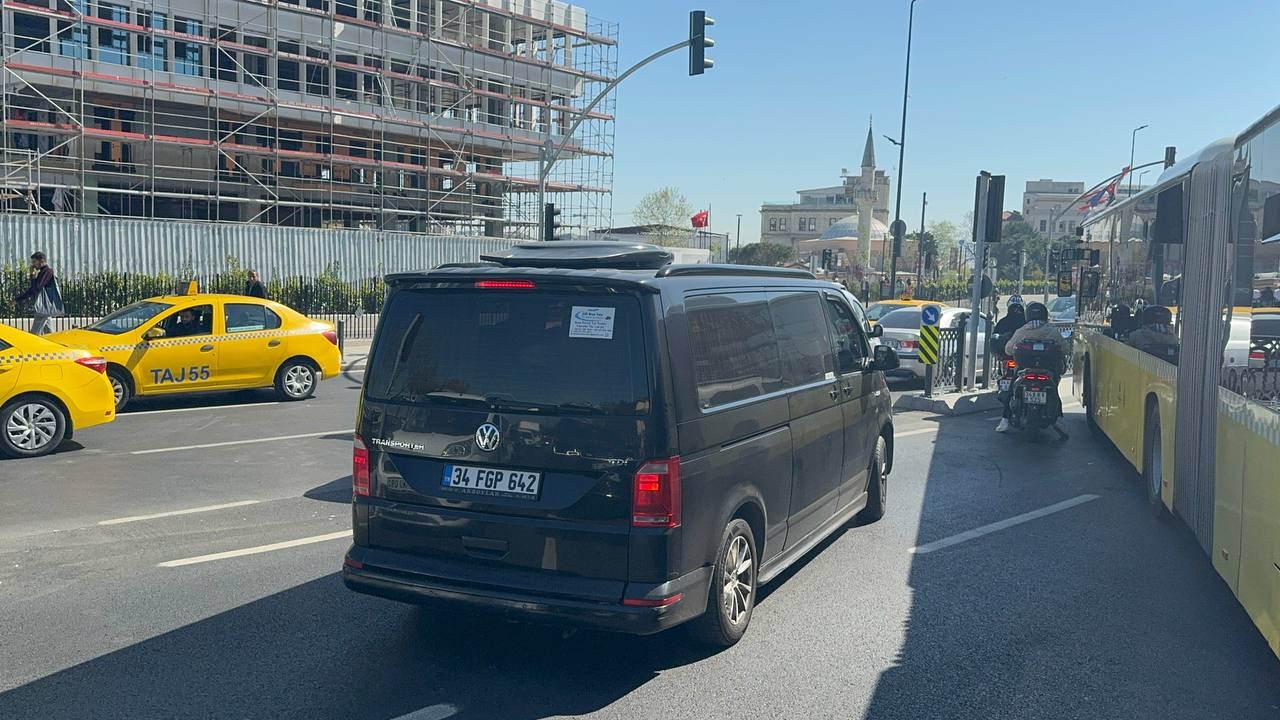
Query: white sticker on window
[591, 322]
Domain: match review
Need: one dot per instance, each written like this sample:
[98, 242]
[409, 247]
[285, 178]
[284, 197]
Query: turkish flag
[701, 219]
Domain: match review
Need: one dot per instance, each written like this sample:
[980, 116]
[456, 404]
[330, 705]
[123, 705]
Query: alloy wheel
[298, 380]
[736, 594]
[31, 426]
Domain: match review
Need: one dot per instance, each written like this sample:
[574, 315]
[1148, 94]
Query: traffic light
[699, 42]
[549, 222]
[826, 259]
[1053, 260]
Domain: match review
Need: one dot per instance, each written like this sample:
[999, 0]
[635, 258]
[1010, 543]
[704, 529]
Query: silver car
[902, 333]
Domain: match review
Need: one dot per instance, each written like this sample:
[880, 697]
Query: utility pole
[1133, 141]
[739, 238]
[971, 328]
[902, 149]
[924, 203]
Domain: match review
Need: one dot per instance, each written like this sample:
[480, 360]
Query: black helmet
[1157, 315]
[1018, 310]
[1037, 311]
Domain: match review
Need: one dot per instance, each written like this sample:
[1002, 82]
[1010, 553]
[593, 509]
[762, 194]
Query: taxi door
[184, 358]
[9, 369]
[251, 346]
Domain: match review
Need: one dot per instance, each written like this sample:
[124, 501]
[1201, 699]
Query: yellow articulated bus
[1178, 355]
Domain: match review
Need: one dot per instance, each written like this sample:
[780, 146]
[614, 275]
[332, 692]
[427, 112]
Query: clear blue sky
[1026, 88]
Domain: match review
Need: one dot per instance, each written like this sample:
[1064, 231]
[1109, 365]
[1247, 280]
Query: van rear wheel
[733, 588]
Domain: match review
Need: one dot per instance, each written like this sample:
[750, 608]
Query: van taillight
[1257, 355]
[656, 498]
[359, 467]
[96, 364]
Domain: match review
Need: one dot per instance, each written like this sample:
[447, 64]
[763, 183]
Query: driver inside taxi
[186, 325]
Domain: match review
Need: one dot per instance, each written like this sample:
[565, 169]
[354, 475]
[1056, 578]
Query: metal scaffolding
[407, 115]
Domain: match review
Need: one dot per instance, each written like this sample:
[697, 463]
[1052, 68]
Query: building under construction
[408, 115]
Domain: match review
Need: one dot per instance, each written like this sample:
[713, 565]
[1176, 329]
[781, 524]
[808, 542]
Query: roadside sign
[929, 334]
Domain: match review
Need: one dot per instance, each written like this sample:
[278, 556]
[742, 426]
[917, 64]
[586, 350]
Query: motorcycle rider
[1037, 329]
[1014, 318]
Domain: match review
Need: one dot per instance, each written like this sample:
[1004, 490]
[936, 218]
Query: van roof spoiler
[583, 255]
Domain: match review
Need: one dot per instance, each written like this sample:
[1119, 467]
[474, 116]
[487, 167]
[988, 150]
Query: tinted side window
[851, 344]
[196, 320]
[735, 352]
[4, 346]
[248, 317]
[804, 345]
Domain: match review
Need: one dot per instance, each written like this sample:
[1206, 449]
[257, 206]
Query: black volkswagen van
[586, 433]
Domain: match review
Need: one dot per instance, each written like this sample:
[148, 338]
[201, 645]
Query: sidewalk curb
[950, 403]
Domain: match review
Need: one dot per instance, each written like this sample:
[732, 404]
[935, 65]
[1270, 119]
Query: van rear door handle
[206, 348]
[835, 393]
[848, 389]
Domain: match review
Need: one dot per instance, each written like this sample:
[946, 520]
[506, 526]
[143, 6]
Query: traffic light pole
[550, 152]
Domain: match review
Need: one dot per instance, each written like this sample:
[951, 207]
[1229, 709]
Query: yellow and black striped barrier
[929, 341]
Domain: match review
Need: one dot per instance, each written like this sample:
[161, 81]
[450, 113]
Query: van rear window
[520, 351]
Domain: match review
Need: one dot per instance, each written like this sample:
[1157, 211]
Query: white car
[902, 333]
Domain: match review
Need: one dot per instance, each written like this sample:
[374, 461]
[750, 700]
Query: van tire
[121, 386]
[297, 379]
[26, 411]
[725, 620]
[1153, 461]
[877, 485]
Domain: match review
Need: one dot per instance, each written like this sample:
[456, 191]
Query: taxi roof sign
[187, 287]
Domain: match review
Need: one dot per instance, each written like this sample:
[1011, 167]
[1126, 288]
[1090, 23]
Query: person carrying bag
[43, 294]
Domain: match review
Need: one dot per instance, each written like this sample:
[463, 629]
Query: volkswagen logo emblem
[487, 437]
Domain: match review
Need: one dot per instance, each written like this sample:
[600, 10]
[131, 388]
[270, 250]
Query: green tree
[667, 207]
[1014, 237]
[770, 254]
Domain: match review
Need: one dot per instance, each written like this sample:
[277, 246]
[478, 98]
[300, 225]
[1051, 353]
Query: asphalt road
[1085, 607]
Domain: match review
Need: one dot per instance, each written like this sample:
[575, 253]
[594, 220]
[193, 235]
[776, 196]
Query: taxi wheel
[120, 387]
[31, 426]
[296, 380]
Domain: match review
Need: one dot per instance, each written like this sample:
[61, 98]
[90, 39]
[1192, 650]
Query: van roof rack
[583, 255]
[733, 270]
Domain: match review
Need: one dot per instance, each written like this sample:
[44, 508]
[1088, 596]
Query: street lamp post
[902, 149]
[1133, 141]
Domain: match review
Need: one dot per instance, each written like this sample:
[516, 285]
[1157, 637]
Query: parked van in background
[583, 432]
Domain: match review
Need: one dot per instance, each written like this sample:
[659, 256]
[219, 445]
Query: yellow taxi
[203, 342]
[47, 392]
[877, 310]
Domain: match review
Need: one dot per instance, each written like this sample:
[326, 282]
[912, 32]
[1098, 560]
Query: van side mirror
[154, 333]
[884, 358]
[876, 331]
[1065, 284]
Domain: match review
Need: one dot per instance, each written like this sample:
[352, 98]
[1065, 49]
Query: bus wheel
[1153, 461]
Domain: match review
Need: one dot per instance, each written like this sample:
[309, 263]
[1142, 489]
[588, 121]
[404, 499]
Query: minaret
[866, 196]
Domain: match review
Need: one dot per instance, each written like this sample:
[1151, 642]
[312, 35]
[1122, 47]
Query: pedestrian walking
[255, 288]
[43, 295]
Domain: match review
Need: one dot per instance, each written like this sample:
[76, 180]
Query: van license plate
[1032, 397]
[492, 481]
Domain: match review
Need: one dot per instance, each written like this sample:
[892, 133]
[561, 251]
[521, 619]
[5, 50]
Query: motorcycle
[1033, 392]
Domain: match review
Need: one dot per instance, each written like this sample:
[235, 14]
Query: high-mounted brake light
[93, 363]
[1011, 363]
[655, 501]
[359, 467]
[506, 285]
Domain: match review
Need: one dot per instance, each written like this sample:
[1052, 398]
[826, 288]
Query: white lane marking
[171, 513]
[242, 442]
[432, 712]
[202, 407]
[255, 550]
[918, 431]
[1003, 524]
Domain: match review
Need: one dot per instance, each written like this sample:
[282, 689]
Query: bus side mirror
[1064, 283]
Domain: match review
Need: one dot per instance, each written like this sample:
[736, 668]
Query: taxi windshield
[129, 317]
[879, 310]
